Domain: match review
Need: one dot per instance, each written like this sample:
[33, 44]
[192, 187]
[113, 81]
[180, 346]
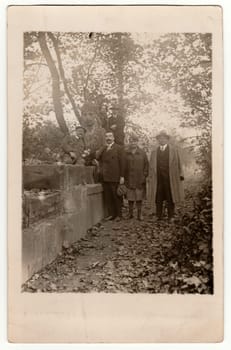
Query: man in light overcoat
[165, 177]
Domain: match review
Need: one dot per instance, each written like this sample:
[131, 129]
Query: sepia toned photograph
[115, 174]
[117, 186]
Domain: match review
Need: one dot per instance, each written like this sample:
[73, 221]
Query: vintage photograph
[117, 162]
[115, 174]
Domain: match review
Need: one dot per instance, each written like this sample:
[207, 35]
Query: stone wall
[37, 206]
[49, 176]
[64, 215]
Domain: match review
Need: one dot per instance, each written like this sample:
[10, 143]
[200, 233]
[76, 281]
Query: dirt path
[129, 256]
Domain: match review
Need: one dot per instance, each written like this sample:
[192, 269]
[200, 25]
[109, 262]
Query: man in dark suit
[111, 159]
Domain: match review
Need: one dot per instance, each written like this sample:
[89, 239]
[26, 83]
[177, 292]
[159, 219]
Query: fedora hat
[162, 133]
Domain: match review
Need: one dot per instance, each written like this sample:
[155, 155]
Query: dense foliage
[42, 142]
[192, 244]
[158, 81]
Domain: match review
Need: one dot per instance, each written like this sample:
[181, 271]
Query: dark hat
[80, 127]
[162, 133]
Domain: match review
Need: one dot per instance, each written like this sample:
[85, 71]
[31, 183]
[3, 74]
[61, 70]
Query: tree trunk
[56, 93]
[62, 74]
[120, 90]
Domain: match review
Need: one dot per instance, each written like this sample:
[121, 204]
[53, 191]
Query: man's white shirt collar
[110, 146]
[163, 148]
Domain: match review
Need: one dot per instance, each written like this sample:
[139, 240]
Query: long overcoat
[136, 169]
[175, 172]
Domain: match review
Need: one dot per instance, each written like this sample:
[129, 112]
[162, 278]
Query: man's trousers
[164, 193]
[112, 201]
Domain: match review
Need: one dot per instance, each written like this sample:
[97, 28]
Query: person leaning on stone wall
[73, 146]
[165, 183]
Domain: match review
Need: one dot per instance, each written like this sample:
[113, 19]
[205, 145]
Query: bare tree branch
[89, 72]
[35, 75]
[62, 74]
[56, 93]
[35, 64]
[28, 93]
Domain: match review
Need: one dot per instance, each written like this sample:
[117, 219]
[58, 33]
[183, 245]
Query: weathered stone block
[82, 208]
[39, 206]
[95, 205]
[42, 176]
[75, 199]
[52, 176]
[40, 245]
